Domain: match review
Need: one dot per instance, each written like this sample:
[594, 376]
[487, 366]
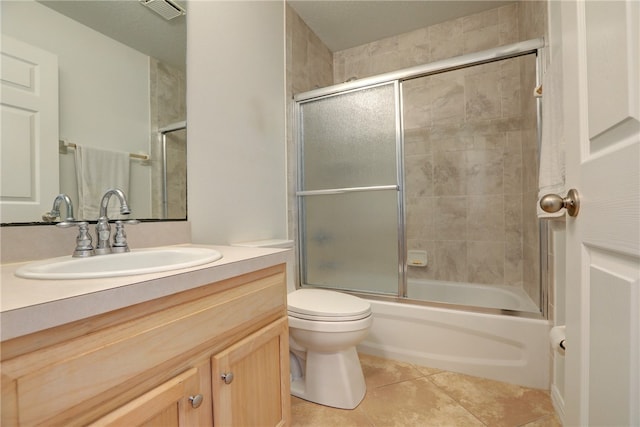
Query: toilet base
[332, 379]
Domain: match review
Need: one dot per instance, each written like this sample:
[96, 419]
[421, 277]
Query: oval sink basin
[139, 261]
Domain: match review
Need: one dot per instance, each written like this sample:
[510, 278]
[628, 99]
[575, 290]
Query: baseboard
[558, 403]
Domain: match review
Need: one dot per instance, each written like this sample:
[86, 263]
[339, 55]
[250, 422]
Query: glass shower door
[348, 190]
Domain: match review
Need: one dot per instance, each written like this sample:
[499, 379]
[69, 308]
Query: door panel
[257, 394]
[349, 140]
[167, 405]
[613, 337]
[351, 241]
[29, 150]
[601, 56]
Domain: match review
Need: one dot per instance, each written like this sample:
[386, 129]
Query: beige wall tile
[485, 218]
[417, 141]
[419, 175]
[513, 263]
[420, 217]
[447, 92]
[450, 218]
[486, 262]
[417, 104]
[446, 40]
[484, 172]
[450, 260]
[513, 164]
[483, 99]
[508, 24]
[449, 175]
[513, 217]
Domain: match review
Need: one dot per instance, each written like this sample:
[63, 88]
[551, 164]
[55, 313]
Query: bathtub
[489, 296]
[495, 346]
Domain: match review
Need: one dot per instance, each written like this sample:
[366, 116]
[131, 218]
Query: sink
[138, 261]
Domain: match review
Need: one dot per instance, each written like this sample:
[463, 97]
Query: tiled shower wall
[461, 128]
[168, 105]
[464, 173]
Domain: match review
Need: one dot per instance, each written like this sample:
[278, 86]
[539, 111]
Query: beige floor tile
[379, 372]
[307, 414]
[493, 402]
[416, 402]
[548, 421]
[426, 371]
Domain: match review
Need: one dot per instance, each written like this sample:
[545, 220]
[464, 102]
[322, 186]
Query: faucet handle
[120, 238]
[84, 247]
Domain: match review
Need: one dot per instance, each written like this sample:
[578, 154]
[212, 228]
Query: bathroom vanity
[201, 346]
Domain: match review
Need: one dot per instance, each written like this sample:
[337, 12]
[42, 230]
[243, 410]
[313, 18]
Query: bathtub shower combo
[417, 190]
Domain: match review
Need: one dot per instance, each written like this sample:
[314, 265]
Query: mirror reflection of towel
[96, 172]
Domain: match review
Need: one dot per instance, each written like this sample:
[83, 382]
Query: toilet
[324, 328]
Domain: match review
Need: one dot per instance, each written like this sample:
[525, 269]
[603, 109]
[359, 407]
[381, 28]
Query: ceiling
[130, 23]
[340, 24]
[345, 24]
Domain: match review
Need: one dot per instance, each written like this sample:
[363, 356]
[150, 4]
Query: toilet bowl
[324, 329]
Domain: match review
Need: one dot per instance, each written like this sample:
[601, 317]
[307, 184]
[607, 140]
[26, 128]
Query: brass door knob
[552, 203]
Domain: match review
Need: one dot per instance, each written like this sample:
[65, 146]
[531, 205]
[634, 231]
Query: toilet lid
[318, 304]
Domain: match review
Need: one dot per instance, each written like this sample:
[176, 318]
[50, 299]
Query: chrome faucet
[55, 210]
[103, 229]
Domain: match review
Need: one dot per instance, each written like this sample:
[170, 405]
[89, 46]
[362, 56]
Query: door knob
[552, 203]
[227, 377]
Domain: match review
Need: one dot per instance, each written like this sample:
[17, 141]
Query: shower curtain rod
[477, 58]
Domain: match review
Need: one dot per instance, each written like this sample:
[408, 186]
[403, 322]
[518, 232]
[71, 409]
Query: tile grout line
[457, 401]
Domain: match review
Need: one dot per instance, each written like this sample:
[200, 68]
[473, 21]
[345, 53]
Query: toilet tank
[276, 244]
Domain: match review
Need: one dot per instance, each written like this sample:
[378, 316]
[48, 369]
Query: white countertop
[29, 305]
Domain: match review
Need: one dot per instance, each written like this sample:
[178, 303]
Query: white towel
[551, 179]
[98, 171]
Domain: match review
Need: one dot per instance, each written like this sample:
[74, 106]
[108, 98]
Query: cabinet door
[177, 402]
[251, 380]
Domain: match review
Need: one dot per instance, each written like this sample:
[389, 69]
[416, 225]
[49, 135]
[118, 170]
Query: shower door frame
[398, 187]
[533, 46]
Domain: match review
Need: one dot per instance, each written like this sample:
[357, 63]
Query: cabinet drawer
[53, 380]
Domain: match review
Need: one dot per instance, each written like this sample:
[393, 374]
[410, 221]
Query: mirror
[121, 92]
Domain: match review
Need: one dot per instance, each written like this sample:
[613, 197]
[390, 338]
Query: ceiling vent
[165, 8]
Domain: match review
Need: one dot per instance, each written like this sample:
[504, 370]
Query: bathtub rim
[437, 305]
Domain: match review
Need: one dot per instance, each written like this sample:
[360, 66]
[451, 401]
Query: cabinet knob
[227, 377]
[196, 400]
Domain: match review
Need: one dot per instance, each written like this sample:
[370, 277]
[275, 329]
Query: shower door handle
[347, 190]
[552, 203]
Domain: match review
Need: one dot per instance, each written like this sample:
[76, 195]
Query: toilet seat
[328, 306]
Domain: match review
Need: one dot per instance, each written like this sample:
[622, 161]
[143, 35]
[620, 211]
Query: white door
[601, 73]
[29, 145]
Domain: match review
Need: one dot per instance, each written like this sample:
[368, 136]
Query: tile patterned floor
[405, 395]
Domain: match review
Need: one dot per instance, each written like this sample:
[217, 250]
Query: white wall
[236, 109]
[104, 90]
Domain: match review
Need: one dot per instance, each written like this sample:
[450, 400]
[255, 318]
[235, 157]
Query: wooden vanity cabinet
[214, 355]
[248, 381]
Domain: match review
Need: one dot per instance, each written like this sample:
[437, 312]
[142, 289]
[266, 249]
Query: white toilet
[324, 328]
